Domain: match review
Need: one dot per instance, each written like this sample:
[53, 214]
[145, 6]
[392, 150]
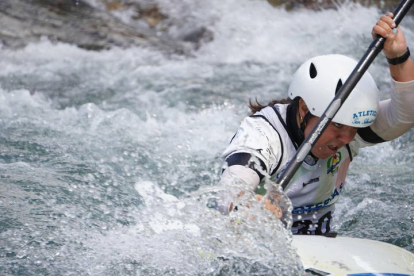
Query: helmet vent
[312, 71]
[338, 86]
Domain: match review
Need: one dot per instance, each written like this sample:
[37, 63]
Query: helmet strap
[310, 159]
[304, 121]
[297, 133]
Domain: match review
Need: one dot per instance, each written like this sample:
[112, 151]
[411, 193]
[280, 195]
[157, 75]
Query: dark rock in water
[198, 36]
[152, 16]
[388, 5]
[74, 22]
[77, 22]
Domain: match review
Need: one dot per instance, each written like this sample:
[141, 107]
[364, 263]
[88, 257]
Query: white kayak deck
[351, 256]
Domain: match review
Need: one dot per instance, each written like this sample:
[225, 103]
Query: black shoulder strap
[349, 152]
[368, 135]
[286, 128]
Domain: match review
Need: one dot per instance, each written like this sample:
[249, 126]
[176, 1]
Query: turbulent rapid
[107, 158]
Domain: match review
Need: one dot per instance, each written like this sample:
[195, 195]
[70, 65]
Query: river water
[107, 158]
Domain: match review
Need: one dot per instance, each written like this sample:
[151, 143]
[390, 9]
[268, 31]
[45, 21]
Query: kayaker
[267, 140]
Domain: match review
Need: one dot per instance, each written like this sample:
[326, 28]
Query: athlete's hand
[395, 44]
[276, 210]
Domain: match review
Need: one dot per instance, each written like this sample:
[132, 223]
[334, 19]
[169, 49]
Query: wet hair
[256, 106]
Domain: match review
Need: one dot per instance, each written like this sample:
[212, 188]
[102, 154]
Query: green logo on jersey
[333, 162]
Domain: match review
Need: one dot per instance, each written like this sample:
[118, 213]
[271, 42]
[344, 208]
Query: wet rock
[332, 4]
[198, 36]
[149, 13]
[111, 6]
[97, 28]
[153, 16]
[74, 22]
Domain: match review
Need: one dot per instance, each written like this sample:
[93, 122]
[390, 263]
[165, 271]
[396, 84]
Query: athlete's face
[332, 139]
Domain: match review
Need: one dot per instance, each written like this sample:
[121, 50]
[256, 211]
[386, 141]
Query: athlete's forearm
[396, 115]
[403, 72]
[230, 181]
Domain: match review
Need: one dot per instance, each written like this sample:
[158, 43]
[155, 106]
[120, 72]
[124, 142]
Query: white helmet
[317, 81]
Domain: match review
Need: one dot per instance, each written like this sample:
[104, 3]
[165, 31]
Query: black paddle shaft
[373, 50]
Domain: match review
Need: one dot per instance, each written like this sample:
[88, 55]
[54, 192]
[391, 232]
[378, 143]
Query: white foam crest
[20, 103]
[46, 57]
[255, 31]
[172, 132]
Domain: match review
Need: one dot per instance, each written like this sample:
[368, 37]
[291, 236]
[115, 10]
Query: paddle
[373, 50]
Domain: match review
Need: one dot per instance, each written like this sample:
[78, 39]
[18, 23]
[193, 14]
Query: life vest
[314, 188]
